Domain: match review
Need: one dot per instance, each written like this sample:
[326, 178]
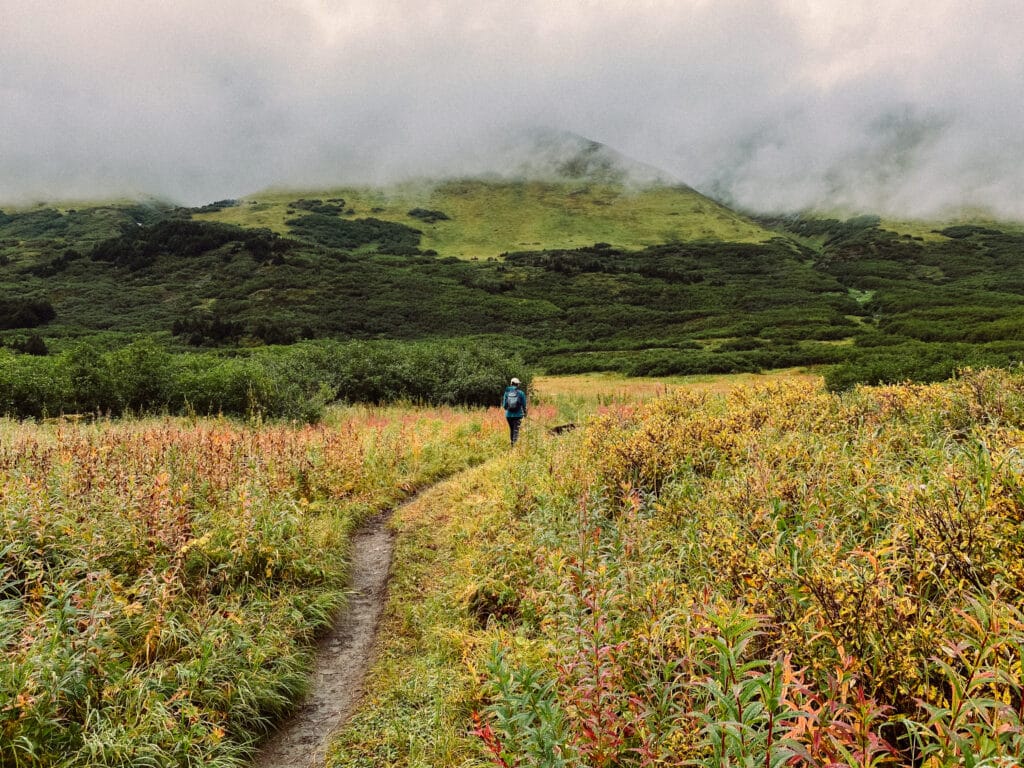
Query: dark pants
[513, 427]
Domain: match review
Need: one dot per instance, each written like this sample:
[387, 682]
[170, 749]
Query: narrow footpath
[343, 657]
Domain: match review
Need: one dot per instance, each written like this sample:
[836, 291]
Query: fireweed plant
[162, 581]
[779, 576]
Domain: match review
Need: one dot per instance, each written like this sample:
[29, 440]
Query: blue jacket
[518, 413]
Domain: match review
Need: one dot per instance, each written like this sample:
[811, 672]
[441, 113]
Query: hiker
[514, 403]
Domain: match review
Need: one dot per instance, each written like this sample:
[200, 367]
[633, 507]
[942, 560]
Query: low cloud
[900, 107]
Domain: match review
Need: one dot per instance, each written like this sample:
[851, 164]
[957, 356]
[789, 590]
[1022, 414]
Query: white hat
[515, 380]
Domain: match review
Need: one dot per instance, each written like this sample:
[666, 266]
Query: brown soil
[343, 657]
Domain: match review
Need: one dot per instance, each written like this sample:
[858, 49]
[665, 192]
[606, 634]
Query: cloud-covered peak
[889, 105]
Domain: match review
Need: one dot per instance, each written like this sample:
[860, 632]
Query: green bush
[294, 382]
[428, 215]
[25, 313]
[387, 236]
[32, 386]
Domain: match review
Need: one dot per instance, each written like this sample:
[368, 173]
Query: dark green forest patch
[333, 207]
[386, 236]
[429, 216]
[25, 313]
[186, 239]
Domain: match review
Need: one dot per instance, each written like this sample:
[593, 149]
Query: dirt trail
[343, 657]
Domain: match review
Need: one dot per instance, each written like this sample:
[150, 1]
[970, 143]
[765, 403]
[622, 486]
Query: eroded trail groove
[343, 657]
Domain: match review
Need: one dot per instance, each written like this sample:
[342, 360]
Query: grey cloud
[197, 101]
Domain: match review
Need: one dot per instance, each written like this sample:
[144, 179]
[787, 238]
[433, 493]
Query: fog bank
[909, 108]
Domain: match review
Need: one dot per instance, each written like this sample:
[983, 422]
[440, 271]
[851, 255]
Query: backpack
[513, 400]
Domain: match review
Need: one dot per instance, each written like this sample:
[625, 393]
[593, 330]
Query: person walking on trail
[514, 403]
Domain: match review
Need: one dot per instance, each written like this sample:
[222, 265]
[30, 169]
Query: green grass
[419, 695]
[490, 218]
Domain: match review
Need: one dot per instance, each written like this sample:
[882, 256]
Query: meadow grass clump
[162, 581]
[777, 576]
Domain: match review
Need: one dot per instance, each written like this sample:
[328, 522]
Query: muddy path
[343, 657]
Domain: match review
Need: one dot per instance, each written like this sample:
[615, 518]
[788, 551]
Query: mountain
[483, 218]
[555, 190]
[545, 154]
[582, 266]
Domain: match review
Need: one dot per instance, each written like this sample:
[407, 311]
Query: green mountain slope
[487, 218]
[581, 273]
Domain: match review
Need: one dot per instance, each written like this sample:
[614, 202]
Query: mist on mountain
[889, 106]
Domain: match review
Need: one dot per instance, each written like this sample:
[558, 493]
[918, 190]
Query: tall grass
[161, 581]
[777, 576]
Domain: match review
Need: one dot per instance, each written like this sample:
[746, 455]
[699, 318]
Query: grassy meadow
[486, 219]
[162, 580]
[726, 576]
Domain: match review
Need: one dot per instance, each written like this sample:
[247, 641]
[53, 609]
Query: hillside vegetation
[601, 277]
[486, 218]
[771, 569]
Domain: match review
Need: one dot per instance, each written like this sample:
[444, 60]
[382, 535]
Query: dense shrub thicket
[31, 344]
[388, 236]
[186, 239]
[333, 207]
[885, 307]
[216, 205]
[912, 360]
[429, 215]
[277, 382]
[25, 313]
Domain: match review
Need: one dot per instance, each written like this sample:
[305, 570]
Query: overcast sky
[902, 106]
